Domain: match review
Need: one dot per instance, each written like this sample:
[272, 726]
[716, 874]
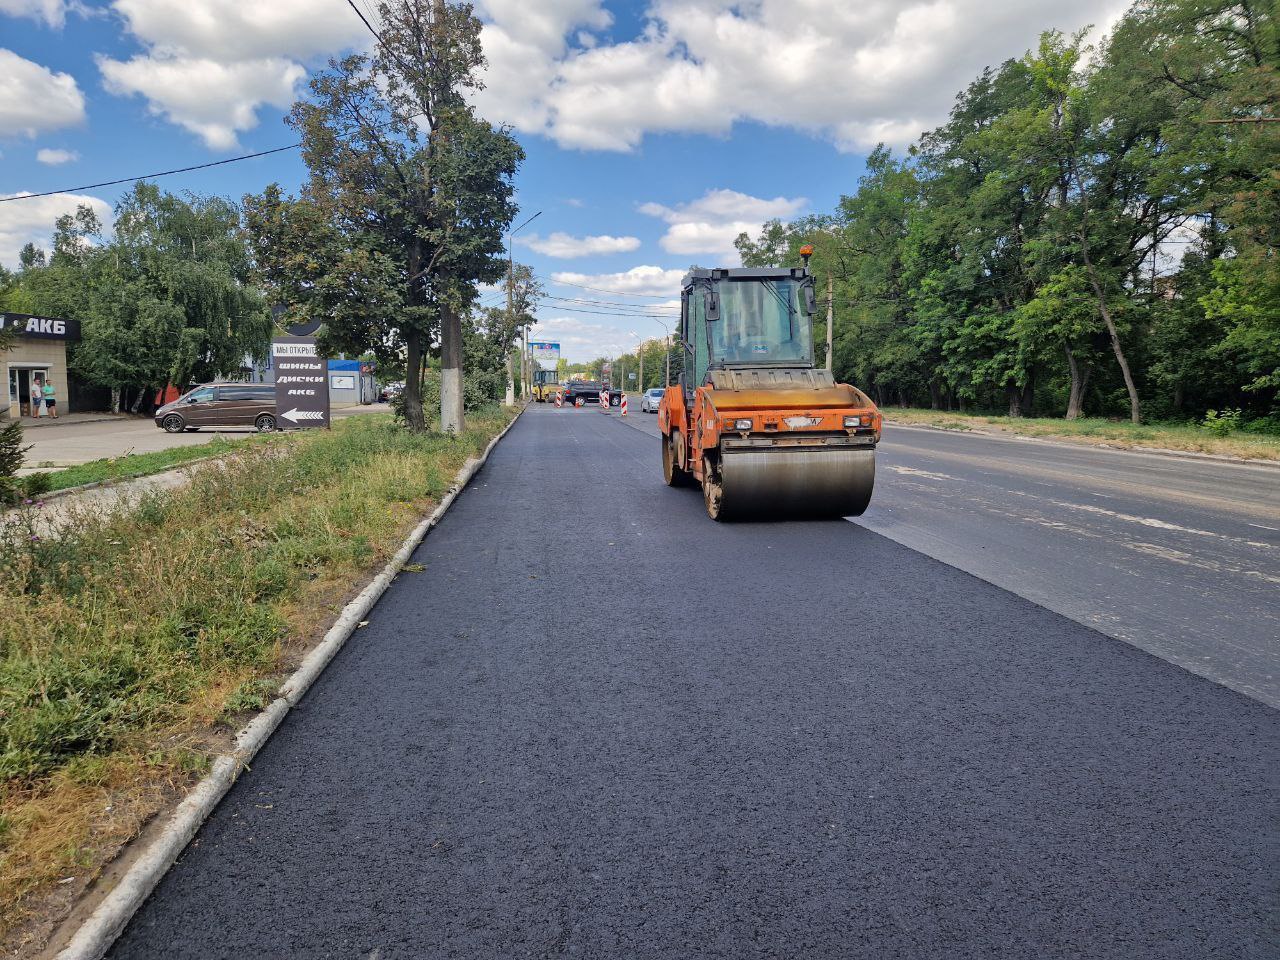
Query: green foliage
[1221, 423]
[1028, 253]
[12, 454]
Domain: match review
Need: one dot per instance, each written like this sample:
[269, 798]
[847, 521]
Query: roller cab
[764, 432]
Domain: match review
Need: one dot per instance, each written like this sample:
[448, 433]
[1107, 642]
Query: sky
[655, 132]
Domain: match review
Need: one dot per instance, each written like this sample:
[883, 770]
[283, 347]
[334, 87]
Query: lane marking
[913, 472]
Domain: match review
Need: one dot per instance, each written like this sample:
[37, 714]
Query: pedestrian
[37, 396]
[50, 399]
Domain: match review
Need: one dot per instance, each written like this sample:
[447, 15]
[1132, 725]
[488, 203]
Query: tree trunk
[451, 407]
[1135, 412]
[1178, 396]
[413, 414]
[935, 395]
[1079, 381]
[137, 401]
[1029, 395]
[1014, 394]
[115, 399]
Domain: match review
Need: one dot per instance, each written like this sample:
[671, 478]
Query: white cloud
[52, 12]
[211, 64]
[565, 246]
[34, 99]
[711, 223]
[31, 221]
[55, 158]
[584, 340]
[853, 73]
[214, 100]
[642, 281]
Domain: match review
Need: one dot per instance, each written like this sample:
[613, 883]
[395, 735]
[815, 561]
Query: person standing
[50, 399]
[37, 396]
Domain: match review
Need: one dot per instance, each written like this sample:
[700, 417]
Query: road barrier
[604, 400]
[579, 402]
[559, 400]
[624, 404]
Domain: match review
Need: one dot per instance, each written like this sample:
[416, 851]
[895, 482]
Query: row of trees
[1091, 231]
[402, 216]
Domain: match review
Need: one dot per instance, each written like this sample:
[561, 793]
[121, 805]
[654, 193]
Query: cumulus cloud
[34, 99]
[854, 73]
[54, 158]
[31, 221]
[52, 12]
[214, 100]
[711, 223]
[564, 246]
[211, 64]
[642, 281]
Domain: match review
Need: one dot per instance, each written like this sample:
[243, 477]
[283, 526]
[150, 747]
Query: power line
[152, 176]
[616, 293]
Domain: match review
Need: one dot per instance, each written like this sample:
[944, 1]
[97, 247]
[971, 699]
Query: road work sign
[302, 383]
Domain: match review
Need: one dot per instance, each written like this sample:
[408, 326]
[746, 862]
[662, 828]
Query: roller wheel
[712, 490]
[671, 471]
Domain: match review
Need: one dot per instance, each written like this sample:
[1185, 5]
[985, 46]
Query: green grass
[132, 465]
[127, 637]
[1099, 432]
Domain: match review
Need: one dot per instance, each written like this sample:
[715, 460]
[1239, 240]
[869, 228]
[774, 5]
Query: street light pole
[666, 351]
[511, 316]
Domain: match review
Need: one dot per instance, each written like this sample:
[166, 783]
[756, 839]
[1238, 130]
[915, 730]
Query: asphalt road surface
[1176, 555]
[69, 443]
[599, 725]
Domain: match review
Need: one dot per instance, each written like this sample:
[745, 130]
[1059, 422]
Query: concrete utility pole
[830, 315]
[640, 382]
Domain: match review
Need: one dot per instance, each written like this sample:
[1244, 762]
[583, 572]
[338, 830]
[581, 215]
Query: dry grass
[1099, 433]
[127, 639]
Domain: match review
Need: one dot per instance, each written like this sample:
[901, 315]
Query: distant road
[1176, 555]
[67, 444]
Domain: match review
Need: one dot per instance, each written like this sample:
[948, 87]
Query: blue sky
[654, 131]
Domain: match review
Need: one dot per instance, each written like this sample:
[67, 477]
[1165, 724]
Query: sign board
[40, 328]
[342, 381]
[546, 355]
[631, 376]
[606, 373]
[302, 383]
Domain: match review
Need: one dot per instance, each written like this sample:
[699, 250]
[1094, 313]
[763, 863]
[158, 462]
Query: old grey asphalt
[1176, 555]
[599, 725]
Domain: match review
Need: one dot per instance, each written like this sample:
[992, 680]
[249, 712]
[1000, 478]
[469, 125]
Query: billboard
[546, 355]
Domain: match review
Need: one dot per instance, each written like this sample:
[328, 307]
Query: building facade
[38, 356]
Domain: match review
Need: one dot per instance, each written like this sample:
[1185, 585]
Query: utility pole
[830, 315]
[511, 316]
[640, 382]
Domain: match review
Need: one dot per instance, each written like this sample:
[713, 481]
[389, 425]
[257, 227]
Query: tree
[414, 192]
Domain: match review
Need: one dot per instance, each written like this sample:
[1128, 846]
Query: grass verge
[132, 465]
[133, 643]
[1098, 432]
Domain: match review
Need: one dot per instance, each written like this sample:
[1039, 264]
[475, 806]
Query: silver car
[649, 402]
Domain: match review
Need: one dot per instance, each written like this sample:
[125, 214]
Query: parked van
[221, 405]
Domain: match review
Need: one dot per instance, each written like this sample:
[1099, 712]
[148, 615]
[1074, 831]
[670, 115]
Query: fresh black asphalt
[599, 725]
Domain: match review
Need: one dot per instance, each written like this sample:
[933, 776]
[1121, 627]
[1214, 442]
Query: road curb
[105, 924]
[1058, 442]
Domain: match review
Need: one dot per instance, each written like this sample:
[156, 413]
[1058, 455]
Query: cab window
[202, 395]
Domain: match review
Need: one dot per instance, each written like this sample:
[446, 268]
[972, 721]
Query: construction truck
[546, 386]
[753, 420]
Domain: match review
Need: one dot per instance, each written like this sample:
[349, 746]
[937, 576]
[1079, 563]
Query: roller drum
[763, 484]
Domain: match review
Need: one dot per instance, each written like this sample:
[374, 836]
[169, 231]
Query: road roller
[753, 421]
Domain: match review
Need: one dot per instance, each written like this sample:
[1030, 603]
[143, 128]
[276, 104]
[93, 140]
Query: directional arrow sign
[302, 383]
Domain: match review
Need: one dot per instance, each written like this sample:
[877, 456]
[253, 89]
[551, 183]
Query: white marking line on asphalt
[913, 472]
[1151, 522]
[1263, 526]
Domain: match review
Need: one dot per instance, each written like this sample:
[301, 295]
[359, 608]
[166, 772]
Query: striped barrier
[559, 400]
[624, 405]
[604, 400]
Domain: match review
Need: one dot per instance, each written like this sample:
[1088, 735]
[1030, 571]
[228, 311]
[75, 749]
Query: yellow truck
[546, 386]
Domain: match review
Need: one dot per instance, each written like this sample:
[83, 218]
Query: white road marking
[913, 472]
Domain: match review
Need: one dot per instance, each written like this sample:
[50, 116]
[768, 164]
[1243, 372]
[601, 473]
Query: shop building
[38, 355]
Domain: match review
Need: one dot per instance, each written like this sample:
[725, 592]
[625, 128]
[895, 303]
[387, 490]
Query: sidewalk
[71, 419]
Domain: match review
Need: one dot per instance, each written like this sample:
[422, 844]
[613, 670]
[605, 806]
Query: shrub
[12, 455]
[1221, 423]
[36, 484]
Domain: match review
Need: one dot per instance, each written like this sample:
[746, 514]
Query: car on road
[588, 391]
[649, 402]
[221, 405]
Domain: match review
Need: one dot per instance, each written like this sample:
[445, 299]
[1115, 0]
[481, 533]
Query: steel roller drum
[763, 484]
